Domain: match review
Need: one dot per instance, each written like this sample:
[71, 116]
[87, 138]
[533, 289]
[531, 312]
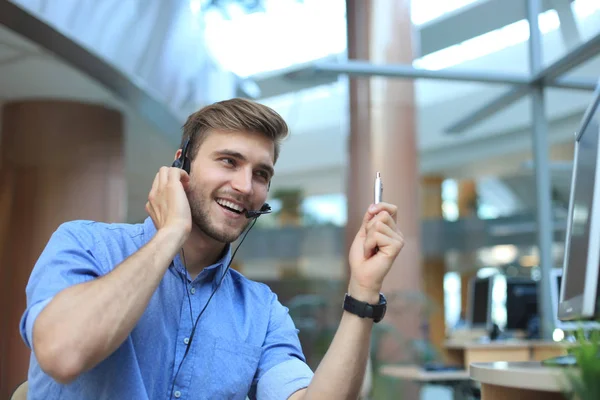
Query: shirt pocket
[234, 365]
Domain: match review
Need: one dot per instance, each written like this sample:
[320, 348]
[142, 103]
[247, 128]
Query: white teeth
[230, 205]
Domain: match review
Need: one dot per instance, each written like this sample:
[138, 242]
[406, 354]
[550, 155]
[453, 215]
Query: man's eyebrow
[241, 157]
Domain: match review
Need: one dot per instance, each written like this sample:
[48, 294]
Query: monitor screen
[555, 291]
[582, 207]
[521, 303]
[480, 302]
[582, 243]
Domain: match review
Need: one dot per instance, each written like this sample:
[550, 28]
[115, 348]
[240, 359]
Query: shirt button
[186, 340]
[193, 290]
[177, 394]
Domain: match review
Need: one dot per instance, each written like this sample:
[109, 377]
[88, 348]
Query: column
[467, 208]
[434, 266]
[60, 161]
[382, 138]
[467, 198]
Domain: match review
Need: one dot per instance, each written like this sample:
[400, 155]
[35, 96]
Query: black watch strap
[364, 309]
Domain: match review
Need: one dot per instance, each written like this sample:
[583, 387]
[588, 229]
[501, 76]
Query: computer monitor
[566, 326]
[479, 308]
[579, 287]
[521, 303]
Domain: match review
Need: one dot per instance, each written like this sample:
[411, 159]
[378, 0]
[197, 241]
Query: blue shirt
[245, 344]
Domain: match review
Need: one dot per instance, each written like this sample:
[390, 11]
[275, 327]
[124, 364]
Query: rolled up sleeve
[66, 260]
[282, 369]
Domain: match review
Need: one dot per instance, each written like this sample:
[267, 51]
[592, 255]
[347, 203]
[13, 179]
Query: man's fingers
[155, 185]
[376, 240]
[175, 174]
[384, 217]
[382, 227]
[389, 245]
[381, 234]
[390, 208]
[366, 218]
[185, 180]
[163, 176]
[178, 175]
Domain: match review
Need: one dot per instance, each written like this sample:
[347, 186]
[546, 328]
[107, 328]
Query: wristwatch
[366, 310]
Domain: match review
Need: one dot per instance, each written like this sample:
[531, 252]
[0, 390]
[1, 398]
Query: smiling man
[152, 310]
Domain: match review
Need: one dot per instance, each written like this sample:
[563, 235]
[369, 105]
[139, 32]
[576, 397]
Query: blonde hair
[234, 115]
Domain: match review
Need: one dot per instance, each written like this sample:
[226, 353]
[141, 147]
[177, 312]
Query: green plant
[584, 380]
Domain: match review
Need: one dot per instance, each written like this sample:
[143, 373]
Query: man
[111, 308]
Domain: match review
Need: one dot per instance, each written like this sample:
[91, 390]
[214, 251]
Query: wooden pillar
[60, 161]
[434, 267]
[431, 197]
[383, 138]
[467, 200]
[360, 176]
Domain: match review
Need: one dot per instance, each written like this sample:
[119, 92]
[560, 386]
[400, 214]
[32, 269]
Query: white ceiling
[315, 156]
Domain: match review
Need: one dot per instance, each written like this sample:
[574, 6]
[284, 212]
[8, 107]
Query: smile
[230, 206]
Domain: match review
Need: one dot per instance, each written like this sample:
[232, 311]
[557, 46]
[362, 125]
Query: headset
[184, 163]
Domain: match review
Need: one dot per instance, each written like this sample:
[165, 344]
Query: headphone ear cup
[186, 165]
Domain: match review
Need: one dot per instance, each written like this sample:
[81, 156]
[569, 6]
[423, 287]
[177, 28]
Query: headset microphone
[265, 209]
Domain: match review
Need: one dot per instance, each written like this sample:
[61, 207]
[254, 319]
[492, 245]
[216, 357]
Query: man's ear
[177, 154]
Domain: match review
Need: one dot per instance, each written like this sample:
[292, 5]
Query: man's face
[229, 175]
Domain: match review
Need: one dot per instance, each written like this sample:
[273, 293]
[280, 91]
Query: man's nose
[242, 181]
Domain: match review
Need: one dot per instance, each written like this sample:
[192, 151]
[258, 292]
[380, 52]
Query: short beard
[202, 219]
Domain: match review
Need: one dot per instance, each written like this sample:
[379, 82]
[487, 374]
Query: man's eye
[228, 161]
[262, 174]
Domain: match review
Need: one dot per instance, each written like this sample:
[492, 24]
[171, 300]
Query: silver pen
[378, 188]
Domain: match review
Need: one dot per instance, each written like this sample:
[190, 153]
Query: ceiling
[318, 119]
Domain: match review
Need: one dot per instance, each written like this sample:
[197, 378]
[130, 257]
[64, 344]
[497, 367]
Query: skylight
[290, 32]
[498, 39]
[423, 11]
[287, 33]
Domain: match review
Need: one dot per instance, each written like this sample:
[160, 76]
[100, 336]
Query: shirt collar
[219, 266]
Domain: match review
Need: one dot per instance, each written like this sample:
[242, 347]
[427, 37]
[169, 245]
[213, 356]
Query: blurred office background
[94, 93]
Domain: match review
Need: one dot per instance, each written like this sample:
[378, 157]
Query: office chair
[21, 392]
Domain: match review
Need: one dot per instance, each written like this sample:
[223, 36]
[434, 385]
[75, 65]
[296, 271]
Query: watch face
[382, 299]
[382, 306]
[383, 312]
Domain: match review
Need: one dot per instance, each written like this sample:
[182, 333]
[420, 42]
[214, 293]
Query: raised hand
[375, 247]
[168, 205]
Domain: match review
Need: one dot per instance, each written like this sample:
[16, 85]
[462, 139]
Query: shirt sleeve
[282, 368]
[66, 260]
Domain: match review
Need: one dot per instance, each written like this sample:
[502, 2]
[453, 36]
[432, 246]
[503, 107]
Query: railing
[437, 237]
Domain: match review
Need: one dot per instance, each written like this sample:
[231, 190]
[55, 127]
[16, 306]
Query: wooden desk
[467, 353]
[416, 373]
[519, 380]
[542, 350]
